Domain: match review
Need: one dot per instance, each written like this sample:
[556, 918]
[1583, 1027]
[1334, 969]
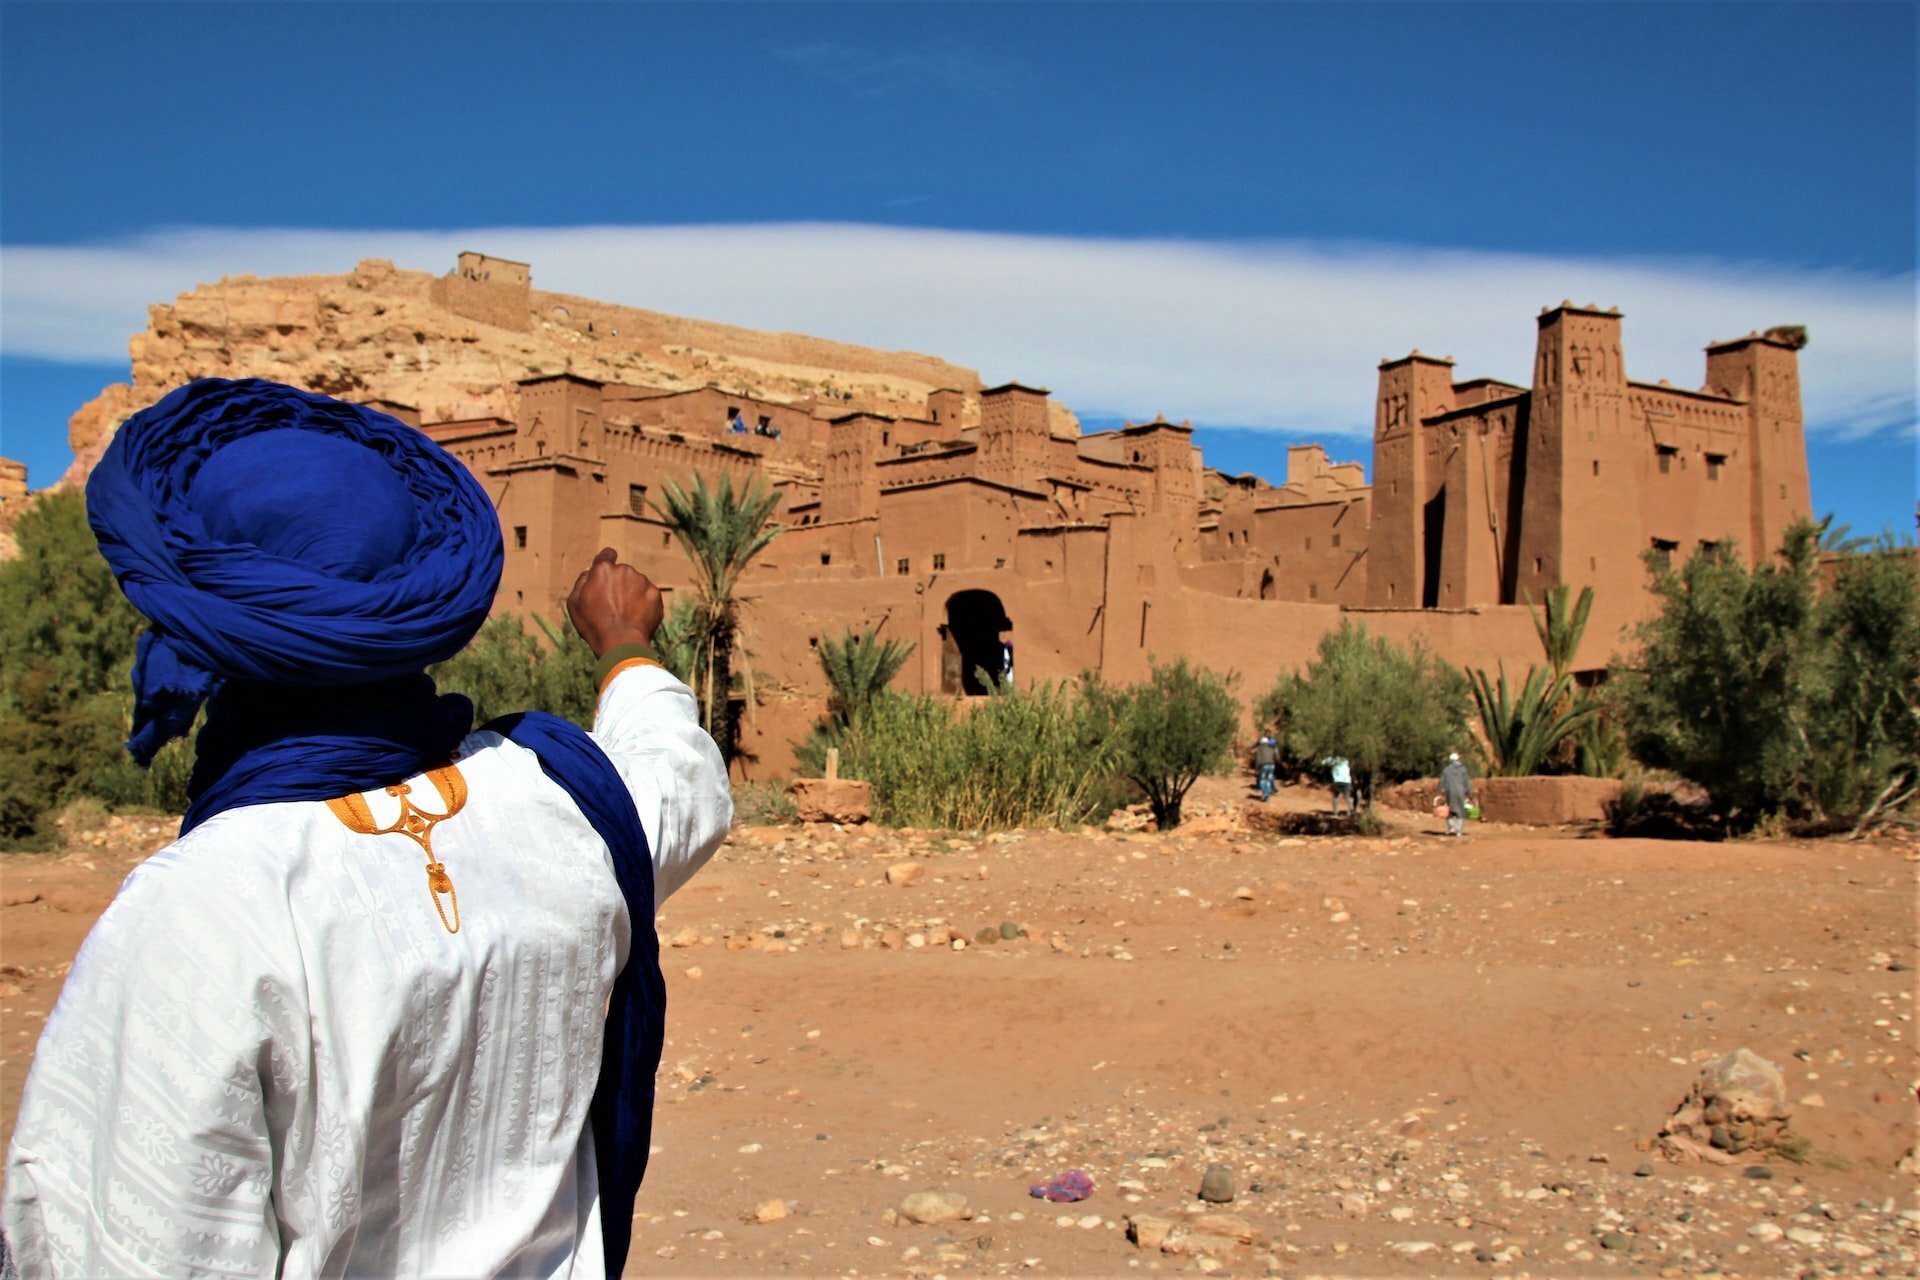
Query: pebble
[1615, 1240]
[1766, 1232]
[1758, 1171]
[930, 1206]
[1217, 1186]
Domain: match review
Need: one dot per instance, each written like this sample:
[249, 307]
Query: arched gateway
[972, 642]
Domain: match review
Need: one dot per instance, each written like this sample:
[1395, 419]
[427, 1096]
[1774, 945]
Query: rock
[931, 1207]
[986, 937]
[1615, 1240]
[770, 1211]
[1644, 1171]
[905, 873]
[1401, 1213]
[849, 939]
[846, 801]
[1227, 1226]
[1009, 931]
[1148, 1231]
[1806, 1236]
[686, 938]
[1737, 1104]
[1243, 893]
[1217, 1186]
[1766, 1232]
[1353, 1204]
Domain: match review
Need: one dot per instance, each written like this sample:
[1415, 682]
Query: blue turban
[302, 561]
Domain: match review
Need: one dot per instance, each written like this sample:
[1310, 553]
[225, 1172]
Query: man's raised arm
[648, 722]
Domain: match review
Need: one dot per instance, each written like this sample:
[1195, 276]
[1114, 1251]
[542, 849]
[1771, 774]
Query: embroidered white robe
[272, 1056]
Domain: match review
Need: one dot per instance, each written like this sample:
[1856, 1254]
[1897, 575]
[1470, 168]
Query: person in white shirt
[360, 1031]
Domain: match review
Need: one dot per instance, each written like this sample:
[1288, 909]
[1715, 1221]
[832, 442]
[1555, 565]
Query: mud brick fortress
[978, 521]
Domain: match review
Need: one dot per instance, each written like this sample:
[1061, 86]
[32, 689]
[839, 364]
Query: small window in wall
[939, 561]
[1390, 591]
[1663, 549]
[1783, 491]
[1313, 591]
[999, 562]
[1593, 562]
[1596, 466]
[1539, 565]
[1666, 454]
[826, 557]
[637, 499]
[1336, 540]
[886, 437]
[903, 566]
[520, 535]
[1715, 461]
[666, 539]
[1309, 544]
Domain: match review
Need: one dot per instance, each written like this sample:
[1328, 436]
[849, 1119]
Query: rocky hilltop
[453, 347]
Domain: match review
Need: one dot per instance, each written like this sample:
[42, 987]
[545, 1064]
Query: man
[1266, 754]
[1341, 774]
[1457, 788]
[391, 1005]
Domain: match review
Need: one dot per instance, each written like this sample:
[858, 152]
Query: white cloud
[1280, 335]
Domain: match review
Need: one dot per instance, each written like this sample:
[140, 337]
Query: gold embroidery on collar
[416, 824]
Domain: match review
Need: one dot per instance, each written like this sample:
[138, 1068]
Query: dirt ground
[1412, 1055]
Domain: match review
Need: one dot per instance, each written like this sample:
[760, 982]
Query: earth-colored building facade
[988, 536]
[981, 523]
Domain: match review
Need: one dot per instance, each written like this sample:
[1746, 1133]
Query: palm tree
[722, 530]
[858, 666]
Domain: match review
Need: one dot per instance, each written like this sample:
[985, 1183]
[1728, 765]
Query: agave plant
[1524, 727]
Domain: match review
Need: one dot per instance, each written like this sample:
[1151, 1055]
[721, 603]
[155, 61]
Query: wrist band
[620, 657]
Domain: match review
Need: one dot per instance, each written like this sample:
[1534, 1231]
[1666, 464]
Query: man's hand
[613, 603]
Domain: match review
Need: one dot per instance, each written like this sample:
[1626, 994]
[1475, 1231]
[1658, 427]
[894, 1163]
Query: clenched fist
[613, 603]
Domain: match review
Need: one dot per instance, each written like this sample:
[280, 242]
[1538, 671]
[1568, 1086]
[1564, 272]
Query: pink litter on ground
[1064, 1188]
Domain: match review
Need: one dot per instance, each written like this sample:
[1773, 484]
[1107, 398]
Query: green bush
[1037, 757]
[66, 651]
[1168, 731]
[1779, 699]
[1393, 713]
[503, 669]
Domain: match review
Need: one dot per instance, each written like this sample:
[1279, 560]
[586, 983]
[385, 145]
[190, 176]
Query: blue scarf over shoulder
[302, 561]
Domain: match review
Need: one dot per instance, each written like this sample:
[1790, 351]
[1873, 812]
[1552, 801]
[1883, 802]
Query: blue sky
[1356, 179]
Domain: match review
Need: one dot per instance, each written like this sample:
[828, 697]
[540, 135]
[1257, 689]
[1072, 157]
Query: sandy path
[1453, 1078]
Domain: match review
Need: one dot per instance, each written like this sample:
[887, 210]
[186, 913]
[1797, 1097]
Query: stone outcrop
[408, 337]
[1738, 1107]
[842, 800]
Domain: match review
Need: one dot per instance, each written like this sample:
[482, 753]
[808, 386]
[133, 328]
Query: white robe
[271, 1055]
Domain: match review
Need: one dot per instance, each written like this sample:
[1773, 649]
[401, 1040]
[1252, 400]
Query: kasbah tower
[977, 521]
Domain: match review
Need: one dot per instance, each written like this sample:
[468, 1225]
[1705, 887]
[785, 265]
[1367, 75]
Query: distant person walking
[1266, 754]
[1342, 775]
[1457, 788]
